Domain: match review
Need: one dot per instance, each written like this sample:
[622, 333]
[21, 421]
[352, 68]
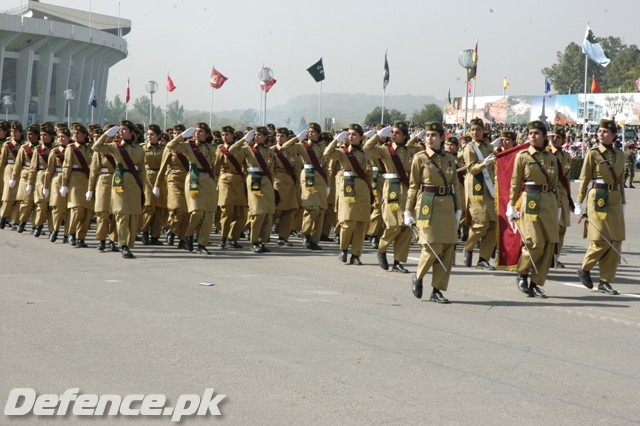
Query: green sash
[393, 194]
[532, 209]
[256, 183]
[310, 180]
[602, 196]
[194, 181]
[118, 179]
[374, 181]
[349, 189]
[426, 209]
[478, 187]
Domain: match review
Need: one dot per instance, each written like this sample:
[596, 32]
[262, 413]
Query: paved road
[298, 338]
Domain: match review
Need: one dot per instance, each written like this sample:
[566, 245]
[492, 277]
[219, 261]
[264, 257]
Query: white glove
[497, 142]
[188, 133]
[420, 134]
[458, 216]
[28, 189]
[112, 131]
[512, 213]
[249, 136]
[408, 219]
[369, 133]
[303, 135]
[624, 206]
[579, 210]
[89, 195]
[64, 191]
[385, 132]
[328, 191]
[489, 160]
[45, 192]
[156, 190]
[12, 183]
[341, 137]
[559, 213]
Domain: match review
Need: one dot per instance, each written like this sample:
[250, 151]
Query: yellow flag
[505, 82]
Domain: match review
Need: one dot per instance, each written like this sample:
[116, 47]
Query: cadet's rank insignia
[425, 210]
[393, 195]
[478, 187]
[194, 185]
[532, 204]
[117, 180]
[600, 202]
[348, 189]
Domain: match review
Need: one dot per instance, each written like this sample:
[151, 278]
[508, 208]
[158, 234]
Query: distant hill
[345, 108]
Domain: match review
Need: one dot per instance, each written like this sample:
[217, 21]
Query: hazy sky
[423, 38]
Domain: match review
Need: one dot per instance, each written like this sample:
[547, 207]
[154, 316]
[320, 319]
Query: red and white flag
[127, 95]
[268, 85]
[217, 79]
[170, 86]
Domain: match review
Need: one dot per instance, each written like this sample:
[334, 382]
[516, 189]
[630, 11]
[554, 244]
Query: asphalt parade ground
[296, 337]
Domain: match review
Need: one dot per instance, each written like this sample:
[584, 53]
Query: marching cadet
[204, 166]
[434, 199]
[354, 192]
[630, 160]
[451, 144]
[20, 176]
[285, 183]
[102, 169]
[558, 138]
[173, 174]
[75, 183]
[603, 168]
[154, 207]
[127, 188]
[4, 137]
[378, 170]
[7, 162]
[397, 160]
[535, 173]
[479, 159]
[232, 197]
[53, 183]
[39, 163]
[260, 193]
[329, 214]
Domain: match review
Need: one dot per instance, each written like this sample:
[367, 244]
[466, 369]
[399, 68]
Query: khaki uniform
[564, 161]
[462, 173]
[100, 180]
[539, 230]
[53, 182]
[353, 215]
[396, 232]
[331, 214]
[441, 229]
[154, 207]
[74, 178]
[630, 160]
[480, 212]
[202, 206]
[20, 174]
[232, 198]
[376, 223]
[287, 187]
[172, 176]
[609, 222]
[126, 205]
[7, 161]
[39, 162]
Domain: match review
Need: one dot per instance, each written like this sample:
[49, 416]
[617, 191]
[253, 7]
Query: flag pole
[584, 110]
[211, 109]
[475, 84]
[382, 112]
[93, 88]
[166, 101]
[265, 107]
[320, 104]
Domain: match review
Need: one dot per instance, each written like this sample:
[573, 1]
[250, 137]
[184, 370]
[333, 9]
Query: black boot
[65, 239]
[38, 231]
[145, 238]
[102, 245]
[223, 243]
[537, 291]
[188, 244]
[382, 261]
[355, 260]
[114, 246]
[585, 278]
[468, 257]
[522, 281]
[343, 256]
[605, 287]
[72, 239]
[155, 241]
[21, 227]
[126, 253]
[416, 287]
[438, 297]
[180, 244]
[3, 223]
[235, 244]
[202, 249]
[81, 244]
[256, 248]
[54, 236]
[397, 267]
[170, 238]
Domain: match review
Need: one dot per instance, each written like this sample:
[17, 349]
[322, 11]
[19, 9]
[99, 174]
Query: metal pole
[265, 108]
[151, 109]
[211, 109]
[384, 92]
[466, 103]
[69, 113]
[320, 105]
[584, 113]
[166, 100]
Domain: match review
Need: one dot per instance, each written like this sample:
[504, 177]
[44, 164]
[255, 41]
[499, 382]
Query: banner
[217, 79]
[317, 71]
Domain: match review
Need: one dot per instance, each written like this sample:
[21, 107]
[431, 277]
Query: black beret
[271, 126]
[453, 140]
[477, 121]
[204, 126]
[47, 128]
[358, 128]
[16, 125]
[283, 130]
[33, 128]
[315, 126]
[155, 129]
[537, 124]
[128, 124]
[80, 128]
[4, 126]
[228, 129]
[608, 124]
[179, 128]
[434, 126]
[508, 134]
[262, 130]
[402, 125]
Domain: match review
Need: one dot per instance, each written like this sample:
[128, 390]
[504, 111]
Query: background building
[51, 57]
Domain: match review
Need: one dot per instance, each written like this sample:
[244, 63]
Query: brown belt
[545, 187]
[438, 190]
[608, 186]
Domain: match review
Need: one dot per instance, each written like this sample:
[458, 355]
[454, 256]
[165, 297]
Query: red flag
[268, 85]
[127, 96]
[509, 243]
[217, 79]
[170, 86]
[595, 88]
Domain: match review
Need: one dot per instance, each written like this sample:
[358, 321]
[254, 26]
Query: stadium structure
[51, 57]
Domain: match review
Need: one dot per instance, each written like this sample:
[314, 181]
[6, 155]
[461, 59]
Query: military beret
[238, 134]
[204, 126]
[326, 136]
[477, 121]
[97, 130]
[227, 129]
[560, 131]
[434, 127]
[138, 128]
[453, 140]
[4, 125]
[61, 125]
[216, 134]
[537, 125]
[508, 134]
[16, 125]
[608, 124]
[262, 130]
[155, 129]
[128, 124]
[283, 130]
[47, 128]
[402, 125]
[315, 126]
[466, 138]
[179, 128]
[33, 128]
[107, 127]
[80, 128]
[271, 126]
[358, 128]
[65, 131]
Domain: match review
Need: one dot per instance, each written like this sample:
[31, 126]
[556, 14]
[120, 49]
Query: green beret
[402, 125]
[65, 131]
[453, 140]
[434, 127]
[560, 131]
[358, 128]
[47, 128]
[477, 121]
[271, 126]
[4, 126]
[33, 128]
[80, 128]
[608, 124]
[155, 129]
[508, 134]
[282, 130]
[204, 126]
[537, 124]
[227, 129]
[262, 130]
[216, 134]
[315, 126]
[16, 125]
[238, 134]
[179, 128]
[128, 124]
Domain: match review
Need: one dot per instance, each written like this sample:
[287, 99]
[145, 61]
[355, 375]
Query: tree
[175, 113]
[567, 74]
[115, 110]
[430, 112]
[140, 111]
[390, 115]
